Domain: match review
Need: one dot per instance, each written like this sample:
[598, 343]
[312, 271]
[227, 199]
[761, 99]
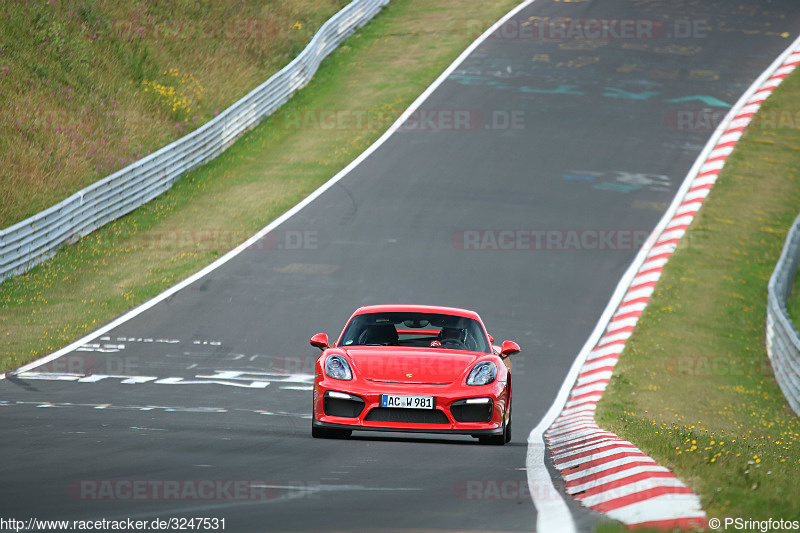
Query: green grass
[693, 387]
[381, 69]
[89, 87]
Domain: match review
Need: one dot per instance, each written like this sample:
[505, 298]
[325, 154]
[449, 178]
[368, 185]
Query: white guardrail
[37, 238]
[783, 341]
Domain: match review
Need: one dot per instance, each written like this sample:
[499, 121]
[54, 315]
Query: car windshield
[415, 329]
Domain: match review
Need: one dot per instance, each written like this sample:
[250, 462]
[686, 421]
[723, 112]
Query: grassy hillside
[380, 69]
[88, 87]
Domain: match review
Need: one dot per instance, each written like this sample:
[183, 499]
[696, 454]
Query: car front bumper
[449, 416]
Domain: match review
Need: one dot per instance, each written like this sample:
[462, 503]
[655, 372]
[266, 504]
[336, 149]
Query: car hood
[404, 365]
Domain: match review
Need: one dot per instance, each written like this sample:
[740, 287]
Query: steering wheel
[453, 341]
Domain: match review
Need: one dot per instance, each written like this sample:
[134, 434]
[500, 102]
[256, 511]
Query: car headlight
[483, 374]
[336, 367]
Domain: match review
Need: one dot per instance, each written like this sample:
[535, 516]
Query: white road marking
[164, 408]
[105, 348]
[274, 413]
[230, 378]
[182, 381]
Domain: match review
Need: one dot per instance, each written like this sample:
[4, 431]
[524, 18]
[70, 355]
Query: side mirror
[320, 340]
[509, 348]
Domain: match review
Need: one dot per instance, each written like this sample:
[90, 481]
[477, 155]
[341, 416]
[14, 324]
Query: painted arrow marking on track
[231, 378]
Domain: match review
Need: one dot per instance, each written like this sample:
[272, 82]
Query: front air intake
[472, 410]
[407, 416]
[341, 404]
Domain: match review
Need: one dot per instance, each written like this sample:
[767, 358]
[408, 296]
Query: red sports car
[413, 368]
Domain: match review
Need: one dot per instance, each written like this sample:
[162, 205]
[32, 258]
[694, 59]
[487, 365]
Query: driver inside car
[381, 335]
[454, 337]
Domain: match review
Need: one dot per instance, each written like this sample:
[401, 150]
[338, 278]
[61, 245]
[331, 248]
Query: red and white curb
[600, 470]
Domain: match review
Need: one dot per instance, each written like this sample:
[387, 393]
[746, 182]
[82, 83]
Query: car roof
[417, 308]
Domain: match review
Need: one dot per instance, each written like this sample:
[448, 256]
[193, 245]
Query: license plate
[408, 402]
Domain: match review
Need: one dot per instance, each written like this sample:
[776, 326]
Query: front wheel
[505, 436]
[508, 423]
[498, 440]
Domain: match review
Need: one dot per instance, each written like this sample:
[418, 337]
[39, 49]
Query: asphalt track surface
[570, 137]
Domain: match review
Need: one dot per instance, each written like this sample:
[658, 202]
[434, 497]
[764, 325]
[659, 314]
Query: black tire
[508, 424]
[497, 440]
[325, 433]
[328, 433]
[505, 436]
